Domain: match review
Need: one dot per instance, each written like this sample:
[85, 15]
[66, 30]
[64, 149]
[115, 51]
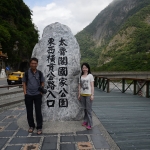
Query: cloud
[75, 14]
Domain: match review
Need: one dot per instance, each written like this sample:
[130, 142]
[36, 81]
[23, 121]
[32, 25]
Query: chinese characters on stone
[62, 73]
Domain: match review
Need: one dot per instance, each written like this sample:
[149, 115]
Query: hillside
[18, 34]
[118, 39]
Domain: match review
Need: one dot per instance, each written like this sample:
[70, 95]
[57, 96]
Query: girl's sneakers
[84, 124]
[89, 127]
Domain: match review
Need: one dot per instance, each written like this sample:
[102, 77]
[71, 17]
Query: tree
[16, 25]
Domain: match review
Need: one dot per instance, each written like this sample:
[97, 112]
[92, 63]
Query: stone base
[57, 126]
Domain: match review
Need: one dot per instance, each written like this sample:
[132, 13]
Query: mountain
[18, 34]
[118, 39]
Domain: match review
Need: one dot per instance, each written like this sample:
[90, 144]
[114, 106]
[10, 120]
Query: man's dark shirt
[33, 82]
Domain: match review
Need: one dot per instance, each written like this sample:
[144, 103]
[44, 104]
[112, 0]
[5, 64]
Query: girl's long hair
[88, 66]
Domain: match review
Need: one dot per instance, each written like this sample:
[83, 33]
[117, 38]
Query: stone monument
[59, 59]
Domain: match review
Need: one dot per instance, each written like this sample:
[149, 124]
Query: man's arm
[42, 84]
[42, 79]
[24, 88]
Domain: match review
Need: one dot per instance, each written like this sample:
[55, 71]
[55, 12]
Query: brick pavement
[14, 135]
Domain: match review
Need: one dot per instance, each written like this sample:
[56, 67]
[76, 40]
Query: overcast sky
[75, 14]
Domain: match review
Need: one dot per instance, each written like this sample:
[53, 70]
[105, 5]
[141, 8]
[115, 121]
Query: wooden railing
[103, 83]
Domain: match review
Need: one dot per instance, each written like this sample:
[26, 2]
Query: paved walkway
[56, 135]
[126, 118]
[117, 117]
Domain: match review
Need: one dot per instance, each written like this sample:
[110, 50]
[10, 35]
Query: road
[3, 81]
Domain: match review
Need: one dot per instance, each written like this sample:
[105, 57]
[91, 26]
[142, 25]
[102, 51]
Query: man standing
[32, 80]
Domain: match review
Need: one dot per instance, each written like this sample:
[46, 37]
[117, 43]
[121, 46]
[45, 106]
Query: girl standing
[86, 94]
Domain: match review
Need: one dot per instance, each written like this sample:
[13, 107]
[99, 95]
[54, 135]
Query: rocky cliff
[118, 38]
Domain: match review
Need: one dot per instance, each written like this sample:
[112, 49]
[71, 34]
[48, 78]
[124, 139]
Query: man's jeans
[37, 100]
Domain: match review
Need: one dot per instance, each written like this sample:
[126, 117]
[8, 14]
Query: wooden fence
[103, 83]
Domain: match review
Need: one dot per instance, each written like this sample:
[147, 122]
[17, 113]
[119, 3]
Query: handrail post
[108, 84]
[100, 82]
[103, 84]
[95, 82]
[134, 90]
[123, 85]
[147, 89]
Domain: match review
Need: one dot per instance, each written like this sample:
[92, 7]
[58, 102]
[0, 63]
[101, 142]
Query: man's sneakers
[31, 129]
[39, 131]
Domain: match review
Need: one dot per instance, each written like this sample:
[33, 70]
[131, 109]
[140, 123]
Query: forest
[125, 44]
[18, 34]
[118, 39]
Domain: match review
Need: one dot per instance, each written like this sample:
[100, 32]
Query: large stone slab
[59, 59]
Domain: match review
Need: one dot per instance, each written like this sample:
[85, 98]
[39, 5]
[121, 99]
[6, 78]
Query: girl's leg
[89, 111]
[83, 102]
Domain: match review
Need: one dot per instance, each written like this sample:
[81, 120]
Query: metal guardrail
[9, 103]
[8, 86]
[103, 83]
